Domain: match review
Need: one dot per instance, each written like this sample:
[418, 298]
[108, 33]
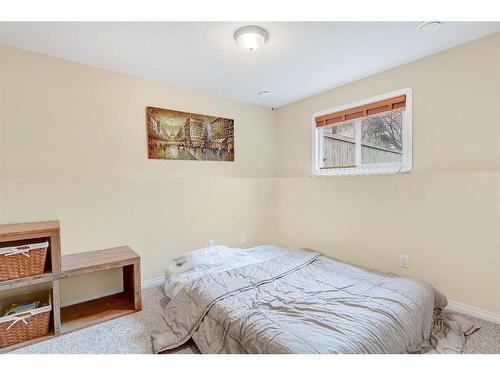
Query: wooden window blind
[361, 111]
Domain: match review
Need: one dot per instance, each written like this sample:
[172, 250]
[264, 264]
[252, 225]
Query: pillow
[218, 257]
[200, 254]
[198, 263]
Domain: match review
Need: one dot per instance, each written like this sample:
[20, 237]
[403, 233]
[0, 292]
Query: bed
[272, 300]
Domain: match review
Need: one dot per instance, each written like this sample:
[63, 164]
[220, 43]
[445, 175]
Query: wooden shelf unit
[95, 311]
[26, 281]
[84, 314]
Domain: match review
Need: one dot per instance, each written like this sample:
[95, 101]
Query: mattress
[299, 302]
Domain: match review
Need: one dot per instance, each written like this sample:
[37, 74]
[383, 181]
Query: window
[367, 137]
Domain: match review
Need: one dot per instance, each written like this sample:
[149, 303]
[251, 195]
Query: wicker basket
[22, 261]
[27, 325]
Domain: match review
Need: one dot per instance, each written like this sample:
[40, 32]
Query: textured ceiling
[300, 58]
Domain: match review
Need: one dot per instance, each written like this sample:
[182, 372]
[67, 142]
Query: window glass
[338, 146]
[381, 138]
[369, 136]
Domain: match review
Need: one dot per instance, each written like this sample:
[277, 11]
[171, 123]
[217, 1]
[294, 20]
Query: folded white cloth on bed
[214, 259]
[205, 253]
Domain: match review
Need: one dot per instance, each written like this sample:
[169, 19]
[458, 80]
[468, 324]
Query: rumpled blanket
[448, 334]
[303, 302]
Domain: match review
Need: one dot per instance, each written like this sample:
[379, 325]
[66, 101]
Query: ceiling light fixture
[251, 38]
[264, 94]
[429, 27]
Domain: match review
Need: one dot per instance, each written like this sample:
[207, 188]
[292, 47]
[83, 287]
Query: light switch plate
[404, 261]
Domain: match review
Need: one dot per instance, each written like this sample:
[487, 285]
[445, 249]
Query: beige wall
[89, 122]
[73, 148]
[89, 169]
[445, 214]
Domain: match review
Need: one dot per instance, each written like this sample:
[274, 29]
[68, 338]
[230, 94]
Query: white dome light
[250, 38]
[429, 27]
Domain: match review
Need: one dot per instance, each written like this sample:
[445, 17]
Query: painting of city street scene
[188, 136]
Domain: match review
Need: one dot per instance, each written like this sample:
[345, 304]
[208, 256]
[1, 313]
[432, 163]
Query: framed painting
[176, 135]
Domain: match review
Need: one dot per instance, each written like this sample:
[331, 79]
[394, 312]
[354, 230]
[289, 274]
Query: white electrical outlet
[403, 261]
[211, 242]
[243, 238]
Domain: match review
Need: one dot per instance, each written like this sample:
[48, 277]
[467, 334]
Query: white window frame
[366, 169]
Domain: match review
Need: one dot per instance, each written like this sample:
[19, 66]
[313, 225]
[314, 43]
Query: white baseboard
[158, 281]
[474, 312]
[452, 305]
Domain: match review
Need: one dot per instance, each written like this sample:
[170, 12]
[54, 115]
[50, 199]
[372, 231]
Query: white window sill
[359, 171]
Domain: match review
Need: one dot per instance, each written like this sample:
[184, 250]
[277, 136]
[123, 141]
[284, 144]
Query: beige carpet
[131, 334]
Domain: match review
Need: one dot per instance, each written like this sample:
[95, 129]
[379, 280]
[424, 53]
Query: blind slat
[362, 111]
